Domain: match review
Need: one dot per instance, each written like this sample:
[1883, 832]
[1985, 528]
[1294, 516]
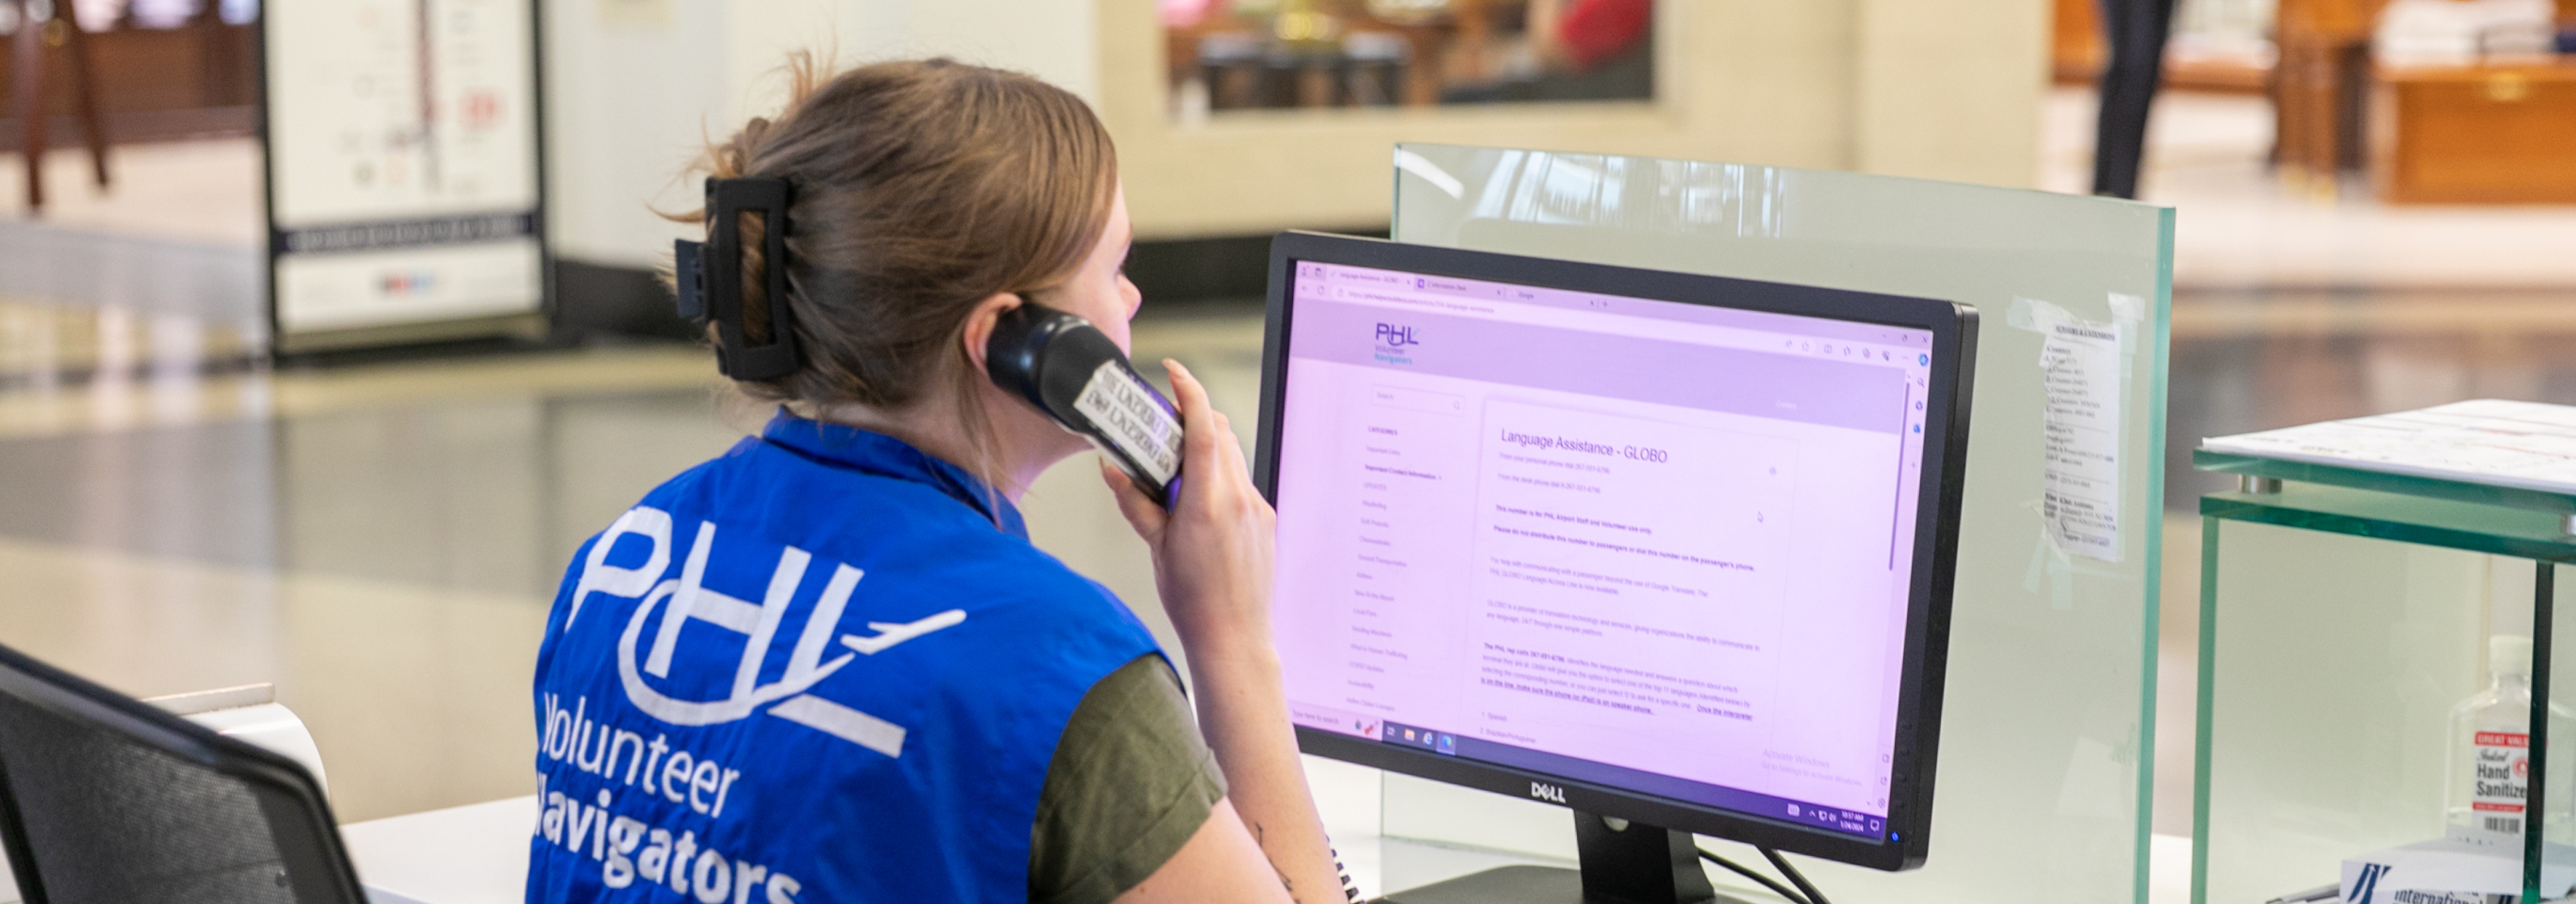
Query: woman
[828, 665]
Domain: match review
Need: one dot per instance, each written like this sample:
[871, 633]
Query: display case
[2348, 619]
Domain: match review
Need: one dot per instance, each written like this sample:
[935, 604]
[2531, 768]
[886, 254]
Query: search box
[1418, 400]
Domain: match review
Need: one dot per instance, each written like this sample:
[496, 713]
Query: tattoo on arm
[1257, 838]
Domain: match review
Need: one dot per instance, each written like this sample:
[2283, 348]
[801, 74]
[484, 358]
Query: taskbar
[1654, 784]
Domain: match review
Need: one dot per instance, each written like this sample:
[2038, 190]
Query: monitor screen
[1664, 547]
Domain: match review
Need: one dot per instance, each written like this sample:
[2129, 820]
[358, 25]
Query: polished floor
[2240, 225]
[382, 542]
[203, 192]
[386, 564]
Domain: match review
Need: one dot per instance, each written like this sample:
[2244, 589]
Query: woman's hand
[1212, 556]
[1212, 551]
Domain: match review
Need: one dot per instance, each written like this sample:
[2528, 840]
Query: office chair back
[108, 800]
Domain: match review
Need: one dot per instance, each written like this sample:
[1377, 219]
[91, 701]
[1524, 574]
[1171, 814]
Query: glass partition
[2044, 780]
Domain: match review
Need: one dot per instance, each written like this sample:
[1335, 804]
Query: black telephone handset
[1073, 372]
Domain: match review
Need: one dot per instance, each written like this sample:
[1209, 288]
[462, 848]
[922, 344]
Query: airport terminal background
[380, 534]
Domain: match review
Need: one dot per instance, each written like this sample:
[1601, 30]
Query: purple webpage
[1655, 546]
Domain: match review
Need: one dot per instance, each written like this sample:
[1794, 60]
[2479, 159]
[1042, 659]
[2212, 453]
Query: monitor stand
[1633, 863]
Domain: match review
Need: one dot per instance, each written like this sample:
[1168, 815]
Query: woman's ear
[979, 324]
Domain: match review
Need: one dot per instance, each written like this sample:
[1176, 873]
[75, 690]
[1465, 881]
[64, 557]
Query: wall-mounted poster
[404, 195]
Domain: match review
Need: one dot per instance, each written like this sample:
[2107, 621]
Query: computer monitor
[1669, 548]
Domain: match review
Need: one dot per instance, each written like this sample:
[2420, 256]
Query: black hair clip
[710, 276]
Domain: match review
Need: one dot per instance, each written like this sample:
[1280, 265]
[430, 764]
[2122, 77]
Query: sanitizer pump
[2490, 767]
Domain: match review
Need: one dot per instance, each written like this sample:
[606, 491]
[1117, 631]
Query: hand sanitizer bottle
[2489, 764]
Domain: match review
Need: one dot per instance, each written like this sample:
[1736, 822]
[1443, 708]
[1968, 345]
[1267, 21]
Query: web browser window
[1659, 546]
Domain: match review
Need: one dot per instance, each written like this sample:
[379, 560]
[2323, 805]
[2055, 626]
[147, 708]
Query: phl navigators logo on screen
[1395, 343]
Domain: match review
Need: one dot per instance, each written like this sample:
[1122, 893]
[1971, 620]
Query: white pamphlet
[2451, 871]
[2080, 479]
[2527, 445]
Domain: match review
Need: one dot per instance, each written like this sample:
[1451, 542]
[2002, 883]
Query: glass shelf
[2447, 523]
[2429, 487]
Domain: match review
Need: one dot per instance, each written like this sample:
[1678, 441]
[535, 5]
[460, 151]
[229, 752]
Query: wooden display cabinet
[2497, 133]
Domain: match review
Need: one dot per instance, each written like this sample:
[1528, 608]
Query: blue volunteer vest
[810, 670]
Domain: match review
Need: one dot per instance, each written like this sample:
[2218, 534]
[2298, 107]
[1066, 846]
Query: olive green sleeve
[1130, 782]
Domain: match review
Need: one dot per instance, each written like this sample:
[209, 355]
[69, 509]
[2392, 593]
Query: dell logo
[1392, 336]
[1547, 792]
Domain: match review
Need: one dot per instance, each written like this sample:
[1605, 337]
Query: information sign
[404, 188]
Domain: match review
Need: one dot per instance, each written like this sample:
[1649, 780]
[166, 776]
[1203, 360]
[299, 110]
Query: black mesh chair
[107, 800]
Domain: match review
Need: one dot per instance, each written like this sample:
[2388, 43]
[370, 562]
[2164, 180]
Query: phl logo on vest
[687, 599]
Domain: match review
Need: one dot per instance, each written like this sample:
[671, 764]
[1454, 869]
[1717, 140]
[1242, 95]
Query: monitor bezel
[1953, 327]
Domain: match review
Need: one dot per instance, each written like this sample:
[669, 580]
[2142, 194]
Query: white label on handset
[1127, 413]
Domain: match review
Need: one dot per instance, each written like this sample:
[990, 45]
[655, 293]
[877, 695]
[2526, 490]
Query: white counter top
[478, 854]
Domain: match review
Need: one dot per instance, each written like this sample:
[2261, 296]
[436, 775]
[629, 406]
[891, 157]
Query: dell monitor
[1673, 551]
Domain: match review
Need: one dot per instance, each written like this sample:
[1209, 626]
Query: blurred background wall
[1877, 85]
